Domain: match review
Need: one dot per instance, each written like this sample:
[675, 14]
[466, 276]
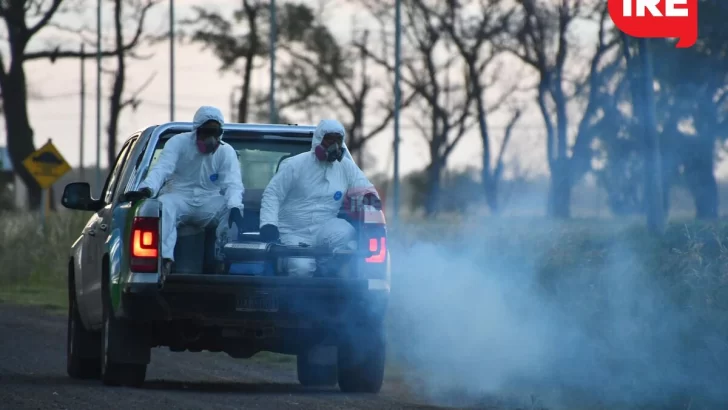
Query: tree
[321, 74]
[117, 103]
[640, 77]
[215, 32]
[472, 27]
[541, 33]
[693, 102]
[13, 81]
[447, 107]
[443, 109]
[691, 113]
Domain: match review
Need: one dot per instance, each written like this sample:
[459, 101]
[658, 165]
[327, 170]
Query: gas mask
[329, 150]
[208, 139]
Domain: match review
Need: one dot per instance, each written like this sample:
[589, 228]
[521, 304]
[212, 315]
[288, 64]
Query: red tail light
[378, 246]
[144, 245]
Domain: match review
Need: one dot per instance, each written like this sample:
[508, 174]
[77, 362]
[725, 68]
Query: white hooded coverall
[194, 184]
[304, 197]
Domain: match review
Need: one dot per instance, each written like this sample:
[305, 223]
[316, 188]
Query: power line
[165, 104]
[69, 94]
[61, 96]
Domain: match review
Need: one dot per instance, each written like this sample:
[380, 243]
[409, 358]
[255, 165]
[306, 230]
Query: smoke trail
[483, 317]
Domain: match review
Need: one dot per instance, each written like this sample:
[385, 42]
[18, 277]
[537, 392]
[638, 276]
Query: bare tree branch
[134, 100]
[498, 171]
[57, 53]
[47, 16]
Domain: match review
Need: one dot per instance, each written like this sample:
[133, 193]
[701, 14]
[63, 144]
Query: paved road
[33, 376]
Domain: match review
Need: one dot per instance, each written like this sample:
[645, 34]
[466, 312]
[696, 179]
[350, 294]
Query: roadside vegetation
[527, 280]
[34, 257]
[690, 259]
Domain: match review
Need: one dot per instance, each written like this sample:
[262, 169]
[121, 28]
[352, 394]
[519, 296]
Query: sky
[55, 113]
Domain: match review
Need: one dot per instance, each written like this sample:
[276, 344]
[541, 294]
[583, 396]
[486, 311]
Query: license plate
[258, 302]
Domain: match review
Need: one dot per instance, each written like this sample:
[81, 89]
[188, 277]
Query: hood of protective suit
[207, 113]
[326, 126]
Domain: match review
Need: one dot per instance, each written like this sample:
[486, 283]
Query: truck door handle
[103, 227]
[91, 232]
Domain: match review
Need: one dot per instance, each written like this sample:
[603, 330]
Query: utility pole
[171, 60]
[82, 127]
[273, 39]
[397, 103]
[656, 217]
[99, 184]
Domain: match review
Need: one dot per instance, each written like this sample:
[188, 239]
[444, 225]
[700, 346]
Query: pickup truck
[120, 305]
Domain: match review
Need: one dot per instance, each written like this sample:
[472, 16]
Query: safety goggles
[205, 132]
[332, 137]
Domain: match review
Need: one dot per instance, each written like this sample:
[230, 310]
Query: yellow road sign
[46, 165]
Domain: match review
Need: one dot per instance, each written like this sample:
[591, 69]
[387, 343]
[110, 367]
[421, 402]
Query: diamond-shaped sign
[46, 165]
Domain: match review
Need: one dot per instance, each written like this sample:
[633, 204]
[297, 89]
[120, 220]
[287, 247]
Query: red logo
[657, 19]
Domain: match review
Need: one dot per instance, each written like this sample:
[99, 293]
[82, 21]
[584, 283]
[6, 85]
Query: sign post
[43, 202]
[46, 165]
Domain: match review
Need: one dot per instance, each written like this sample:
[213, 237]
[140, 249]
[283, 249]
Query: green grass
[47, 297]
[34, 257]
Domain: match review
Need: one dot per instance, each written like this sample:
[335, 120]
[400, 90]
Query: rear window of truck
[259, 158]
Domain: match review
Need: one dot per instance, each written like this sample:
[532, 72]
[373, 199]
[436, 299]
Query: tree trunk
[434, 172]
[559, 197]
[488, 180]
[115, 103]
[705, 194]
[355, 139]
[491, 193]
[252, 15]
[700, 178]
[245, 93]
[17, 126]
[671, 160]
[359, 152]
[654, 198]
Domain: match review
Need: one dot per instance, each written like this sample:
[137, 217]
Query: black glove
[373, 200]
[269, 233]
[143, 193]
[237, 217]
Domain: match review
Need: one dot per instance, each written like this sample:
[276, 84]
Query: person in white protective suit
[202, 182]
[301, 202]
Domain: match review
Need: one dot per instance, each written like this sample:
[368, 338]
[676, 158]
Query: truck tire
[82, 346]
[361, 360]
[125, 350]
[315, 375]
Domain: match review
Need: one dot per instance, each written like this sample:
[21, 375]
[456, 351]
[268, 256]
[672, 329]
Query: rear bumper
[215, 300]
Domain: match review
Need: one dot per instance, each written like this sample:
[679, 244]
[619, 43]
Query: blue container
[250, 268]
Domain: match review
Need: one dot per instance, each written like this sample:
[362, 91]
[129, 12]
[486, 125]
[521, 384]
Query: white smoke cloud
[478, 319]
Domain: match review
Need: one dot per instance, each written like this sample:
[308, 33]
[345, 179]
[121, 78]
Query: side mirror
[77, 195]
